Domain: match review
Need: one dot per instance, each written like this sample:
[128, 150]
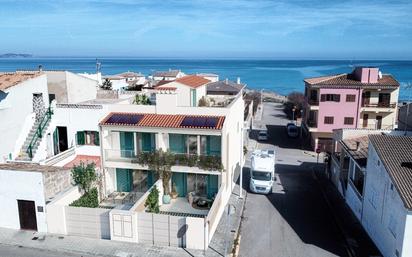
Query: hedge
[90, 200]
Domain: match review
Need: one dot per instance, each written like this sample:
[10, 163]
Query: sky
[278, 29]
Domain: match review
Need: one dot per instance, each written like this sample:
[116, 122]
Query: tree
[152, 201]
[84, 176]
[295, 103]
[203, 102]
[107, 85]
[141, 99]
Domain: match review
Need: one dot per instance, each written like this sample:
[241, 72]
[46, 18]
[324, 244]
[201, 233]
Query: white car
[263, 135]
[262, 172]
[293, 131]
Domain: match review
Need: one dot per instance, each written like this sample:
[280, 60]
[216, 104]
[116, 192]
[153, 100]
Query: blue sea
[281, 76]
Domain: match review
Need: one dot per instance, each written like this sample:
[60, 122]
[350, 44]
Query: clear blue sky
[354, 29]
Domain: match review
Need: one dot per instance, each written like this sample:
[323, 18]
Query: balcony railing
[379, 105]
[205, 162]
[313, 102]
[312, 124]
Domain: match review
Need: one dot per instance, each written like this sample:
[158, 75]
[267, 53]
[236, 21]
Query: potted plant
[174, 194]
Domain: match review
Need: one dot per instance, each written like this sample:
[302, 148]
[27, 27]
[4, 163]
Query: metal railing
[313, 102]
[39, 131]
[379, 105]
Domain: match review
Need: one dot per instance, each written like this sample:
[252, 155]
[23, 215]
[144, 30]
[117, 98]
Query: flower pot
[166, 199]
[173, 195]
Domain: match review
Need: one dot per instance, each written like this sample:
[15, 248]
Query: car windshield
[262, 133]
[261, 175]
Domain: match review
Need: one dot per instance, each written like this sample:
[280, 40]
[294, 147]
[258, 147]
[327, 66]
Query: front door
[365, 120]
[27, 214]
[378, 122]
[179, 183]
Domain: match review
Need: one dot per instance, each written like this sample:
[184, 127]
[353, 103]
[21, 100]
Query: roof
[163, 82]
[395, 153]
[24, 166]
[169, 73]
[348, 80]
[360, 155]
[207, 74]
[163, 120]
[129, 74]
[83, 159]
[11, 79]
[225, 86]
[192, 81]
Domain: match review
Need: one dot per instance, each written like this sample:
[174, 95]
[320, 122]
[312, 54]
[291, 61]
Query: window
[348, 121]
[350, 98]
[328, 120]
[88, 138]
[357, 177]
[313, 95]
[330, 98]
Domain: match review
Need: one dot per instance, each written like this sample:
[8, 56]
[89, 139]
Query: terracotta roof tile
[11, 79]
[395, 153]
[84, 159]
[348, 80]
[359, 155]
[193, 81]
[161, 120]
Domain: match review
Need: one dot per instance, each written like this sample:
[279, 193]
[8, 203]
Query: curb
[236, 242]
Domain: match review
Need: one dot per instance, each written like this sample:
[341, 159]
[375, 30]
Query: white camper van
[262, 172]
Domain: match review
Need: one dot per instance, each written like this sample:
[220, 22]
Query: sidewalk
[358, 241]
[101, 247]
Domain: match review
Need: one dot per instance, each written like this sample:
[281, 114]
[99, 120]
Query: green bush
[90, 200]
[84, 175]
[152, 201]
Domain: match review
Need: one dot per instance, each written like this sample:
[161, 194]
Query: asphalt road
[295, 219]
[15, 251]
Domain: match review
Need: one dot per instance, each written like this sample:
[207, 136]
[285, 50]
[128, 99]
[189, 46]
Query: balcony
[313, 102]
[147, 159]
[379, 105]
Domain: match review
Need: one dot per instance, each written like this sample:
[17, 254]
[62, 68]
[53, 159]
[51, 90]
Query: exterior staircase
[34, 138]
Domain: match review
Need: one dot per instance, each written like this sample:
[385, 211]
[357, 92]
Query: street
[294, 220]
[16, 251]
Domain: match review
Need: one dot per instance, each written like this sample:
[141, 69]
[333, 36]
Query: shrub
[152, 201]
[89, 199]
[107, 85]
[84, 175]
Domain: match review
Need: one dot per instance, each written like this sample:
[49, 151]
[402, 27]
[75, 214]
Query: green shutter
[150, 179]
[147, 142]
[124, 179]
[215, 145]
[193, 93]
[80, 138]
[179, 180]
[177, 143]
[212, 185]
[126, 144]
[96, 138]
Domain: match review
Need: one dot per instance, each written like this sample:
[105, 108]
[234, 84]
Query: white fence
[88, 222]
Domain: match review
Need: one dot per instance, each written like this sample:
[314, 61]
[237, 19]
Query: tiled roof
[83, 159]
[23, 166]
[129, 74]
[11, 79]
[360, 155]
[169, 73]
[224, 86]
[348, 80]
[192, 81]
[163, 82]
[395, 153]
[159, 120]
[165, 88]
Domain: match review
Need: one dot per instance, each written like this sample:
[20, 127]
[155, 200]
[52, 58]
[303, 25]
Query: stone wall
[56, 181]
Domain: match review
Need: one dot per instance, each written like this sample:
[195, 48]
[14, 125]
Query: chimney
[357, 145]
[40, 68]
[238, 80]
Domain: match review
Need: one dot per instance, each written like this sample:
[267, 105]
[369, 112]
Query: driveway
[295, 219]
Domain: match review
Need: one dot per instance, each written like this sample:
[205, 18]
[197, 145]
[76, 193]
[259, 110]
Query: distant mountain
[12, 55]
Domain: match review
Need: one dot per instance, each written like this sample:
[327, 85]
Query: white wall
[383, 208]
[21, 185]
[79, 88]
[17, 111]
[407, 238]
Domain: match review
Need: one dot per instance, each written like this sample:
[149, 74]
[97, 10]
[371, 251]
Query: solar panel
[199, 122]
[128, 119]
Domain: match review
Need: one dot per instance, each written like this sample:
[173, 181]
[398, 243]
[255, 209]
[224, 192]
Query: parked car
[263, 135]
[262, 172]
[293, 131]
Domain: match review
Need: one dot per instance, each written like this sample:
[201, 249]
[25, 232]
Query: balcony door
[126, 144]
[179, 183]
[124, 180]
[365, 120]
[366, 96]
[384, 99]
[378, 122]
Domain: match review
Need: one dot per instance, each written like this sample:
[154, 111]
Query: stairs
[24, 154]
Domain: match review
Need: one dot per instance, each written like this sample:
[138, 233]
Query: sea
[280, 76]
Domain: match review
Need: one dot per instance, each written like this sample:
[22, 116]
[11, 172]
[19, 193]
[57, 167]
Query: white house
[167, 75]
[387, 208]
[210, 76]
[23, 102]
[25, 190]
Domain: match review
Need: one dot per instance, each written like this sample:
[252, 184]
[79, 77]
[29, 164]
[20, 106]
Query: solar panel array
[121, 118]
[199, 122]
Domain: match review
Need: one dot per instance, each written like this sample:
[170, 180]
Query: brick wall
[56, 181]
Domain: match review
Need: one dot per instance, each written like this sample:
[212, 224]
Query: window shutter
[336, 98]
[322, 98]
[80, 138]
[96, 138]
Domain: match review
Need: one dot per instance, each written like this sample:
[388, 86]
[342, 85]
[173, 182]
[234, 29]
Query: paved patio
[181, 205]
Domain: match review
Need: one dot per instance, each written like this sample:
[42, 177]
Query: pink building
[362, 99]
